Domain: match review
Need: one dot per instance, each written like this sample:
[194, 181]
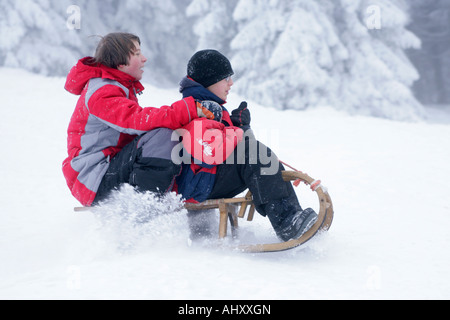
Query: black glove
[209, 109]
[241, 116]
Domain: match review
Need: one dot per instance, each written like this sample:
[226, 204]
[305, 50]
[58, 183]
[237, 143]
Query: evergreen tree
[166, 38]
[287, 54]
[34, 35]
[49, 36]
[430, 21]
[304, 53]
[213, 23]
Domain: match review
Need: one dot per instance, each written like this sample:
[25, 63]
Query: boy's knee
[156, 175]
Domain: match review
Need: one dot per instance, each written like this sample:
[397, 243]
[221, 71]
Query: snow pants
[144, 163]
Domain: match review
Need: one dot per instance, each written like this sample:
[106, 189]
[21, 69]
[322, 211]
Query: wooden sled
[234, 208]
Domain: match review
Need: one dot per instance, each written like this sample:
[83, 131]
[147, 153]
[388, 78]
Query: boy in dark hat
[209, 81]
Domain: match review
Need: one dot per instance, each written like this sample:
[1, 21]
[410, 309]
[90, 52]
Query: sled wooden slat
[251, 212]
[81, 209]
[227, 211]
[244, 205]
[242, 209]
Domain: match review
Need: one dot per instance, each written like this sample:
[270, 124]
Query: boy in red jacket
[111, 139]
[209, 80]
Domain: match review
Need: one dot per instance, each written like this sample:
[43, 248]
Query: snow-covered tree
[430, 21]
[34, 35]
[304, 53]
[213, 23]
[379, 74]
[287, 54]
[49, 36]
[166, 37]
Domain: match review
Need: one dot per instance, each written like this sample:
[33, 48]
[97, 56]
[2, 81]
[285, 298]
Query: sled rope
[314, 185]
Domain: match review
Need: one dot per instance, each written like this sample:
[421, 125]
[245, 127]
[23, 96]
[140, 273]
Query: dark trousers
[272, 195]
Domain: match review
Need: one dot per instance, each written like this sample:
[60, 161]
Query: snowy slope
[389, 183]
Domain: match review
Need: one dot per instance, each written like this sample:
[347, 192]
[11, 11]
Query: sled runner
[234, 208]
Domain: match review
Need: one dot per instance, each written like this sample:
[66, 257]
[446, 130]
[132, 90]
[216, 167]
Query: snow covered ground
[389, 182]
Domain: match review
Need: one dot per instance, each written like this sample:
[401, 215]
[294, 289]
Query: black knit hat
[208, 67]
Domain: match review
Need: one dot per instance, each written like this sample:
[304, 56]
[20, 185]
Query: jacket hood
[86, 69]
[190, 88]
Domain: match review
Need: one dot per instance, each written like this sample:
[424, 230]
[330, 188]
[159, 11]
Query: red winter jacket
[106, 118]
[210, 142]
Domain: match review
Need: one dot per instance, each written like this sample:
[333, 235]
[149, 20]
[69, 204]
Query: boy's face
[135, 64]
[222, 88]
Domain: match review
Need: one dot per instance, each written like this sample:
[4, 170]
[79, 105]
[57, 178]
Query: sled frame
[234, 208]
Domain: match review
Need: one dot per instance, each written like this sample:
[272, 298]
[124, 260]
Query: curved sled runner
[228, 209]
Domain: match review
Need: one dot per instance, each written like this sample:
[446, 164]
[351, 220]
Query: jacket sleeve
[110, 105]
[226, 120]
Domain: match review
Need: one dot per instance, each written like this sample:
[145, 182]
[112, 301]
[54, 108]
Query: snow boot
[287, 217]
[293, 226]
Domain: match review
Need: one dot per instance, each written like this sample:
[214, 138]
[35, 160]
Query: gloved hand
[241, 116]
[209, 109]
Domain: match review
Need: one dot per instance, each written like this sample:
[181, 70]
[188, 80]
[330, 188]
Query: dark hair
[114, 49]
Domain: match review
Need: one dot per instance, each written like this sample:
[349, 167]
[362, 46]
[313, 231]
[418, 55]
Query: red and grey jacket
[106, 118]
